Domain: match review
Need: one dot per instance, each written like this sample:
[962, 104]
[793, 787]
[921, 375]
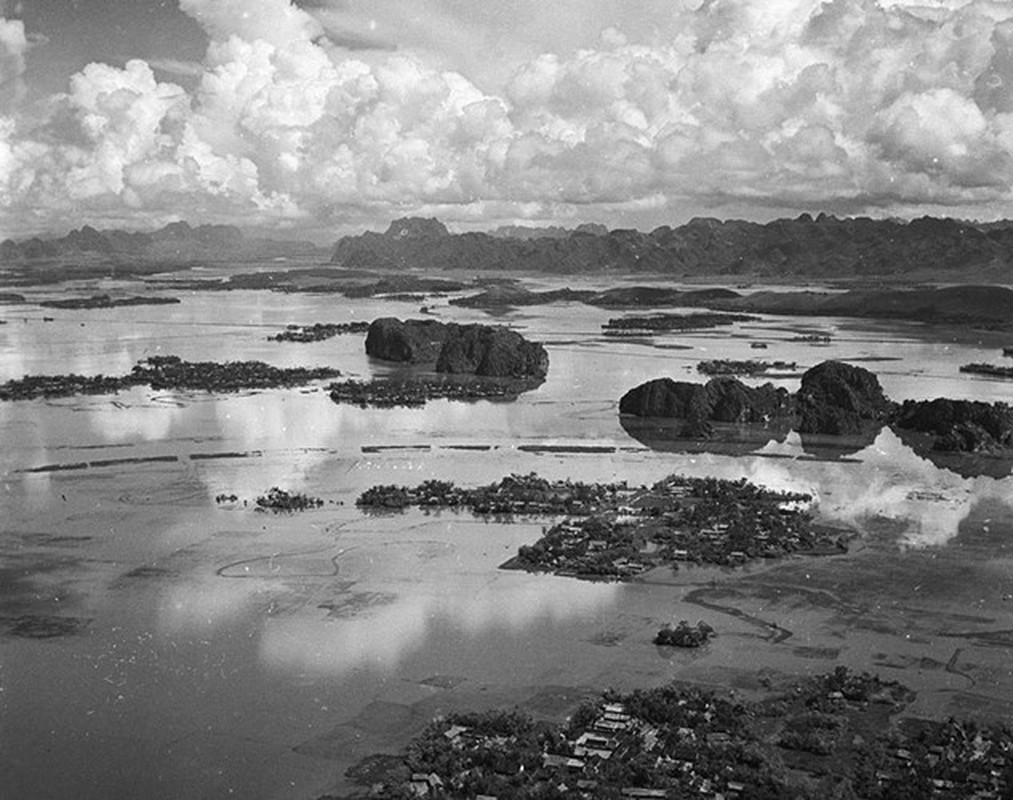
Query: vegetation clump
[317, 332]
[416, 392]
[72, 385]
[684, 635]
[721, 366]
[992, 370]
[387, 496]
[514, 494]
[167, 372]
[106, 301]
[813, 732]
[279, 500]
[675, 322]
[171, 372]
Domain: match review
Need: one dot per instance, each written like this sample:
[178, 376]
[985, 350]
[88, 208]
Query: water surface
[202, 649]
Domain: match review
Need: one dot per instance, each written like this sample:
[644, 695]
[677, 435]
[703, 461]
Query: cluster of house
[569, 544]
[608, 737]
[764, 540]
[604, 740]
[985, 782]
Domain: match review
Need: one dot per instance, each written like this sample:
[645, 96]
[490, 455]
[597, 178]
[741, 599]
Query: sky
[317, 118]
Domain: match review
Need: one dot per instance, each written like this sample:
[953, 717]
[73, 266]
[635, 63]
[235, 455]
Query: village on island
[821, 737]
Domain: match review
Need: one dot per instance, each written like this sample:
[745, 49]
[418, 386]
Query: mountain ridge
[175, 241]
[823, 247]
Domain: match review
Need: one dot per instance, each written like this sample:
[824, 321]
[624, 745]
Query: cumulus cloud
[847, 104]
[13, 46]
[277, 22]
[174, 66]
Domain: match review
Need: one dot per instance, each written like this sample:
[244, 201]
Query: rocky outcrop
[965, 426]
[664, 397]
[719, 400]
[484, 350]
[840, 399]
[835, 398]
[417, 228]
[413, 341]
[733, 401]
[838, 410]
[491, 351]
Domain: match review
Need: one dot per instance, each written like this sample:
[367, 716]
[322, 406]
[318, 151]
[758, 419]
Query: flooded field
[155, 643]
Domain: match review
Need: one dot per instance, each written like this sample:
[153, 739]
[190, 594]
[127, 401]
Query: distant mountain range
[821, 247]
[175, 242]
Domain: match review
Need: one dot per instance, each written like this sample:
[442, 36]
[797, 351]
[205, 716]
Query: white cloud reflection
[382, 637]
[890, 481]
[194, 608]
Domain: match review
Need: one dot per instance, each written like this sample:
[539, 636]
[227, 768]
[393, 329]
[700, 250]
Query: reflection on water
[388, 627]
[234, 636]
[886, 479]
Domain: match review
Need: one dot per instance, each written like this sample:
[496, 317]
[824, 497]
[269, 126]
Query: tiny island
[107, 301]
[281, 501]
[167, 372]
[418, 390]
[992, 370]
[445, 361]
[684, 635]
[318, 331]
[722, 366]
[658, 323]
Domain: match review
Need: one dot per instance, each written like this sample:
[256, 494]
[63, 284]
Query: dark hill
[980, 306]
[820, 247]
[484, 350]
[834, 398]
[177, 241]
